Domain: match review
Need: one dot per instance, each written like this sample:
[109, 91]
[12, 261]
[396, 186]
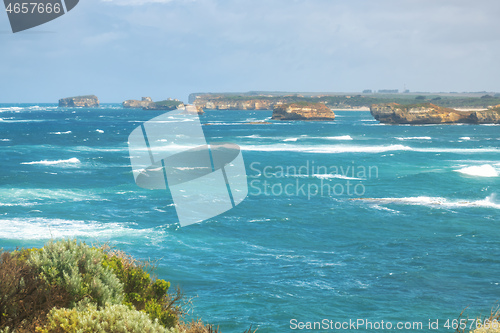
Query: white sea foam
[325, 176]
[37, 196]
[72, 160]
[14, 108]
[465, 138]
[414, 138]
[439, 202]
[21, 120]
[188, 168]
[99, 131]
[43, 228]
[340, 137]
[331, 149]
[67, 132]
[334, 176]
[290, 139]
[457, 150]
[4, 140]
[325, 149]
[78, 149]
[382, 208]
[485, 170]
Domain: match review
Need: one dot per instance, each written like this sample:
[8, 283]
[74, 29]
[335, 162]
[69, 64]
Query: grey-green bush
[78, 268]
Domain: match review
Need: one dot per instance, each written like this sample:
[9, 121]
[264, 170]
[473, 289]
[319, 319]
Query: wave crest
[72, 160]
[485, 170]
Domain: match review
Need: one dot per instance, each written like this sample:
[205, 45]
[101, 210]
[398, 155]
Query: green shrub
[78, 268]
[111, 318]
[135, 280]
[157, 311]
[141, 291]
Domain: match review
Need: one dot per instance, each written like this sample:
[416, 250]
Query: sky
[126, 49]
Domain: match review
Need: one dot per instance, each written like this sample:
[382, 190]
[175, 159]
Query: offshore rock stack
[88, 101]
[303, 111]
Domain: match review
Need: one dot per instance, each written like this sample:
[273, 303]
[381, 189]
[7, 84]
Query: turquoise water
[422, 244]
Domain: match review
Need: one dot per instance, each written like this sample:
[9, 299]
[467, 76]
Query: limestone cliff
[427, 113]
[491, 116]
[303, 111]
[135, 104]
[88, 101]
[192, 109]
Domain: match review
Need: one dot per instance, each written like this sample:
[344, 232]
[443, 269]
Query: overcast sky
[124, 49]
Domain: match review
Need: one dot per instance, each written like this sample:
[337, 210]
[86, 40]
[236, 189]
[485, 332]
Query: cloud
[184, 46]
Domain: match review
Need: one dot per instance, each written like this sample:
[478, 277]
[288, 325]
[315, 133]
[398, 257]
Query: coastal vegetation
[341, 101]
[69, 286]
[170, 104]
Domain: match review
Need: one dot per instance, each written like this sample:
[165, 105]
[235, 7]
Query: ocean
[345, 220]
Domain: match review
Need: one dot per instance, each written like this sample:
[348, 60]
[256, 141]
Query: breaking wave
[72, 160]
[485, 170]
[438, 202]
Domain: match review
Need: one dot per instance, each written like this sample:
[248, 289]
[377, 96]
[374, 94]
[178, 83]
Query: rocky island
[169, 104]
[427, 113]
[88, 101]
[135, 104]
[303, 111]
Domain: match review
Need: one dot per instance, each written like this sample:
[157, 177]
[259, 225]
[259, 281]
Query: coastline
[363, 108]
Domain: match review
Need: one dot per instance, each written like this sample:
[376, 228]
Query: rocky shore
[427, 113]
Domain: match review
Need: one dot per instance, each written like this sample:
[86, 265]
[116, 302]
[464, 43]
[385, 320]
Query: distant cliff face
[135, 104]
[224, 104]
[88, 101]
[427, 113]
[303, 111]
